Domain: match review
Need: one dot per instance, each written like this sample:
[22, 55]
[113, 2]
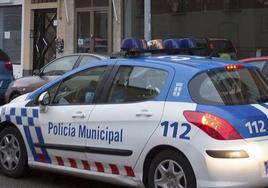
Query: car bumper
[231, 172]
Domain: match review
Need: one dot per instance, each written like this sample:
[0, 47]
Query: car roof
[185, 61]
[248, 60]
[219, 39]
[186, 65]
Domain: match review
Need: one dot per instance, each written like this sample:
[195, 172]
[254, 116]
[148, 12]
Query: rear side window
[133, 84]
[222, 87]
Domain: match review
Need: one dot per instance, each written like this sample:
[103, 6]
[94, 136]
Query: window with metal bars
[43, 1]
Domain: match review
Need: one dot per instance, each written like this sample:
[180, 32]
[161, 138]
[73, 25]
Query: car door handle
[79, 115]
[144, 113]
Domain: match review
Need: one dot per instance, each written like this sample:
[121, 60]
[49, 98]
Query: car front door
[118, 130]
[72, 100]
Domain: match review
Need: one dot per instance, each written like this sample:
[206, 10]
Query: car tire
[13, 153]
[170, 169]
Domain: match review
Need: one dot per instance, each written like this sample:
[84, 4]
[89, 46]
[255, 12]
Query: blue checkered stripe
[20, 116]
[28, 118]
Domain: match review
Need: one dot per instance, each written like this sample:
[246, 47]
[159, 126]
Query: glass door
[100, 32]
[92, 31]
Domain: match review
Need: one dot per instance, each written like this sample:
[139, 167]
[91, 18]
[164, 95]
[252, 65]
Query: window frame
[80, 59]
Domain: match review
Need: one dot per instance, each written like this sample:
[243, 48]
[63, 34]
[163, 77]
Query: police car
[152, 121]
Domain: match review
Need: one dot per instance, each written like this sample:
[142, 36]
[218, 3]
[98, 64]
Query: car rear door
[120, 126]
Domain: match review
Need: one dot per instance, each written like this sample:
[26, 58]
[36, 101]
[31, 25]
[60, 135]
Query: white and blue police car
[157, 121]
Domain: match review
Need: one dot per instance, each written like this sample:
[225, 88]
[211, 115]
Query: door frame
[92, 10]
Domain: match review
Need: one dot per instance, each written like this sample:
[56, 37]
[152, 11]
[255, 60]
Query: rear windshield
[222, 87]
[224, 46]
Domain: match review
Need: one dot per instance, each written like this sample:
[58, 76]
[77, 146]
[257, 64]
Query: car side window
[60, 66]
[134, 83]
[88, 59]
[265, 69]
[80, 88]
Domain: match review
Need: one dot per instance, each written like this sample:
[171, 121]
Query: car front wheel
[13, 154]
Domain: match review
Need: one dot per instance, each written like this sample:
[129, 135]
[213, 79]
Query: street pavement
[39, 179]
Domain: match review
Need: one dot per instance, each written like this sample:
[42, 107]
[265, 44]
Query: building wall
[13, 31]
[65, 29]
[248, 30]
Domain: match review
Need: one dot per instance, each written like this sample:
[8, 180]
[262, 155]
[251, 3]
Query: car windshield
[224, 46]
[222, 87]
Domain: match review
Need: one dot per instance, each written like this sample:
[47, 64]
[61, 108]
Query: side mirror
[36, 72]
[44, 100]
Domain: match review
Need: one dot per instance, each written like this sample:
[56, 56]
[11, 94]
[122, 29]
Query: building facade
[11, 32]
[59, 27]
[53, 28]
[244, 22]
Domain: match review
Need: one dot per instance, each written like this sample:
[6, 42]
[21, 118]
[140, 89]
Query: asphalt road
[39, 179]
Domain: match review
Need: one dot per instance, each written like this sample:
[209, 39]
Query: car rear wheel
[170, 169]
[13, 154]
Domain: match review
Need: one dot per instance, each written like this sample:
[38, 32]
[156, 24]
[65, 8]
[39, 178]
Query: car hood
[30, 82]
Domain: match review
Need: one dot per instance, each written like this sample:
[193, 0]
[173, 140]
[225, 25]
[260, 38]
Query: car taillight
[9, 66]
[213, 125]
[233, 67]
[211, 46]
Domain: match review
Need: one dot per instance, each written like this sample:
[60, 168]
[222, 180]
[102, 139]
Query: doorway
[45, 34]
[93, 30]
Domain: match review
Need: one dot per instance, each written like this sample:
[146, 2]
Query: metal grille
[45, 34]
[43, 1]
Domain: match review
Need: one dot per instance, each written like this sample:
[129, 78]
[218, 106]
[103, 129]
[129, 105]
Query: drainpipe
[147, 20]
[66, 12]
[115, 11]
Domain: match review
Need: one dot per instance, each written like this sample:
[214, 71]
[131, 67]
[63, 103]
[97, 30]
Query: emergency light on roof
[178, 43]
[133, 47]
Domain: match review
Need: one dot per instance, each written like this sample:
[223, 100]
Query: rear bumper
[230, 172]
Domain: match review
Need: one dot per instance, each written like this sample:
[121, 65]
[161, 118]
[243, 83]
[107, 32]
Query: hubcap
[169, 174]
[9, 152]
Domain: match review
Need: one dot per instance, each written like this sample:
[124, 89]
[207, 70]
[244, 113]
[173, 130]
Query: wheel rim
[169, 174]
[9, 152]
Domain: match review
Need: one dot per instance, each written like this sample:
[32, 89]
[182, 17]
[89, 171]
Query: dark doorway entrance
[45, 34]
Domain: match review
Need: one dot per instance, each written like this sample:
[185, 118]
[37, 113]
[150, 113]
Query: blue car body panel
[182, 69]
